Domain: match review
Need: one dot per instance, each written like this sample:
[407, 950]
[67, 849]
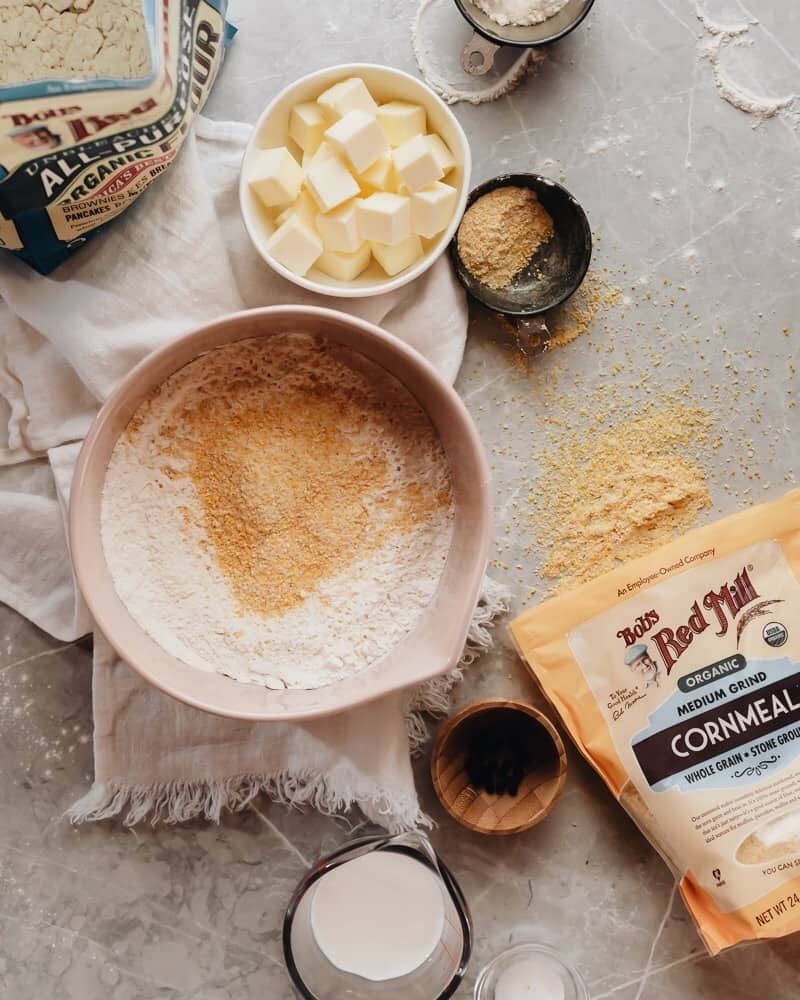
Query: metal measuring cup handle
[531, 334]
[477, 56]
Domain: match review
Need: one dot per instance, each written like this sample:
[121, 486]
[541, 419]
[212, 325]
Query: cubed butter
[345, 266]
[347, 95]
[401, 121]
[322, 152]
[394, 259]
[295, 245]
[274, 176]
[381, 176]
[441, 152]
[331, 183]
[304, 206]
[432, 209]
[384, 218]
[339, 228]
[359, 138]
[416, 164]
[307, 124]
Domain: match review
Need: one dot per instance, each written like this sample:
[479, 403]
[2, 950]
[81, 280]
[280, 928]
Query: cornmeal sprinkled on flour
[85, 39]
[296, 484]
[279, 510]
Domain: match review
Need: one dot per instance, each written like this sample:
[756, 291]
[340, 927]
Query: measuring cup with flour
[515, 23]
[382, 917]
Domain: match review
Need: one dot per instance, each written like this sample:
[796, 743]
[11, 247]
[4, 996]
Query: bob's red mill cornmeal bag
[678, 677]
[96, 98]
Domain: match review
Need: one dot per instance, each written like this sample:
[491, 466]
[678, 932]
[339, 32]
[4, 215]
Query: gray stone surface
[680, 187]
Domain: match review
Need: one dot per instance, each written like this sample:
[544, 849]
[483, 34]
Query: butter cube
[432, 209]
[345, 266]
[348, 95]
[307, 125]
[322, 152]
[284, 215]
[339, 228]
[381, 176]
[359, 138]
[331, 183]
[394, 259]
[441, 152]
[275, 176]
[304, 206]
[416, 164]
[295, 245]
[385, 218]
[401, 121]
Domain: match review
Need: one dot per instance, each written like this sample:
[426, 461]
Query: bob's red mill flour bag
[678, 677]
[96, 97]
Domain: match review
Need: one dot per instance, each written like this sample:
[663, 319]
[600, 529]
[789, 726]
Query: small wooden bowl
[478, 809]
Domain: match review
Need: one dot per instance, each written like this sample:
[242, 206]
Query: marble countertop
[694, 205]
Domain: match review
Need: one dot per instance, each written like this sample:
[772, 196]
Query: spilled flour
[719, 37]
[278, 510]
[433, 39]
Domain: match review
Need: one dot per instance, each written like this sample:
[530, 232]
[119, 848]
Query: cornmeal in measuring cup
[678, 677]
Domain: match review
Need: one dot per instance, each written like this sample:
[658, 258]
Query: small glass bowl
[574, 986]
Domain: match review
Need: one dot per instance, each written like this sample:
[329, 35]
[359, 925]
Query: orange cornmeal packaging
[678, 677]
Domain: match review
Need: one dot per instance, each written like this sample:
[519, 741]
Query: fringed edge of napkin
[331, 794]
[178, 801]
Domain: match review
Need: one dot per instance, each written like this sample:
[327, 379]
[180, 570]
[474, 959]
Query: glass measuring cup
[317, 978]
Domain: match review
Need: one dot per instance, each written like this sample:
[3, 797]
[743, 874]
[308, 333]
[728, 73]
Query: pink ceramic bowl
[430, 649]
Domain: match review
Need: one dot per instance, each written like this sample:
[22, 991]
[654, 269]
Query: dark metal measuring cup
[478, 55]
[555, 271]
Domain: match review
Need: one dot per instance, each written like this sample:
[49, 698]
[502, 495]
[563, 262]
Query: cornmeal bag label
[74, 154]
[678, 677]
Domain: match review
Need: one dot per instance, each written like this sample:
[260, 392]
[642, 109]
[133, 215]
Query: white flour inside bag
[279, 510]
[85, 39]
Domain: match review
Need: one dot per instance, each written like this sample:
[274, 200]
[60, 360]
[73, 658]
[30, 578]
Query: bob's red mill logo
[721, 606]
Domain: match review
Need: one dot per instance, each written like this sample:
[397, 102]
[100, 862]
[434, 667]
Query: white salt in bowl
[431, 648]
[272, 129]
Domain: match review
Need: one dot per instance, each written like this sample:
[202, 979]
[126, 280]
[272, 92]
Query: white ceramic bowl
[385, 84]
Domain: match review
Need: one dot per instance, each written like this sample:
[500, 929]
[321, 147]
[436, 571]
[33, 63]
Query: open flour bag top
[95, 101]
[678, 677]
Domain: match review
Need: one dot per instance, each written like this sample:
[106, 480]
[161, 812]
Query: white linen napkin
[177, 258]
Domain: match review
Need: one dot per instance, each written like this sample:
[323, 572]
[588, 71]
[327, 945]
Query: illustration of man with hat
[36, 136]
[643, 665]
